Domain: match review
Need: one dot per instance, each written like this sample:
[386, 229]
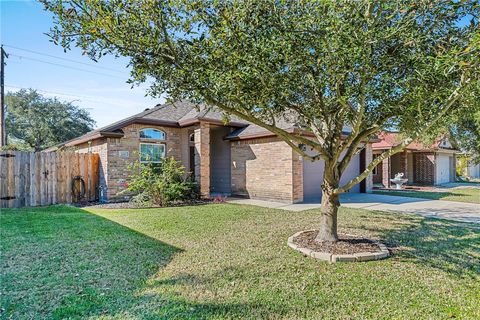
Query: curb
[333, 258]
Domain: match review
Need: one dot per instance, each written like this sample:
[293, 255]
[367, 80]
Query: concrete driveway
[458, 211]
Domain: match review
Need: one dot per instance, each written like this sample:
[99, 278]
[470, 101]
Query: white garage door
[442, 168]
[313, 178]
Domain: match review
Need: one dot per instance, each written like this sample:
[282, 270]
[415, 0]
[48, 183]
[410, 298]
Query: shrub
[161, 183]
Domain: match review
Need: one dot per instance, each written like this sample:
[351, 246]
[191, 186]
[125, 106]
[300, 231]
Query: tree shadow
[64, 262]
[177, 307]
[430, 195]
[449, 246]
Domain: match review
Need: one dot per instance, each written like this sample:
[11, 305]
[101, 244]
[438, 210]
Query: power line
[64, 59]
[65, 66]
[46, 91]
[87, 98]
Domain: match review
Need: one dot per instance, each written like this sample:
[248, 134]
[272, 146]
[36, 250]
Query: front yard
[229, 261]
[471, 195]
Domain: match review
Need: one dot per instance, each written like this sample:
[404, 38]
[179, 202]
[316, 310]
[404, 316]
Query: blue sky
[100, 87]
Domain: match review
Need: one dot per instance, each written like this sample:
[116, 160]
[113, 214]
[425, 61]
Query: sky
[100, 88]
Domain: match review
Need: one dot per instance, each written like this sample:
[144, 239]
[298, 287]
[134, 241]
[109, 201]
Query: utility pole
[3, 131]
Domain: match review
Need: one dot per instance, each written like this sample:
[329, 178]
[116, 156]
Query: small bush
[161, 183]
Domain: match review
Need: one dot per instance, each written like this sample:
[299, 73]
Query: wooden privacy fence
[44, 178]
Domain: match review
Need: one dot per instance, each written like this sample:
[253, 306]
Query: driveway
[458, 211]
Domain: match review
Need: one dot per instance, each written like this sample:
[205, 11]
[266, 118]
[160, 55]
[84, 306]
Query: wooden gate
[45, 178]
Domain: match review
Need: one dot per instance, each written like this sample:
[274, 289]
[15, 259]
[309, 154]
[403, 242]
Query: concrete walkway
[457, 211]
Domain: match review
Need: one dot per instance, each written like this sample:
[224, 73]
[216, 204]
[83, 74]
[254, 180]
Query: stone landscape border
[333, 258]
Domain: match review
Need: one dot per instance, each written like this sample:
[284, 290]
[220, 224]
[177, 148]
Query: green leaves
[160, 183]
[35, 122]
[326, 63]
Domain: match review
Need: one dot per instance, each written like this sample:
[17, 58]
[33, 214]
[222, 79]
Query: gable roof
[182, 114]
[389, 140]
[254, 131]
[177, 114]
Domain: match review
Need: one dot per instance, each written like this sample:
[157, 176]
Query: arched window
[154, 150]
[153, 134]
[191, 138]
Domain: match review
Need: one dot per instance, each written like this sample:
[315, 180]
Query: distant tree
[35, 122]
[369, 65]
[466, 131]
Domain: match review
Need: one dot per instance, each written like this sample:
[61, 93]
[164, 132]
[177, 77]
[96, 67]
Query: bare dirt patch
[346, 244]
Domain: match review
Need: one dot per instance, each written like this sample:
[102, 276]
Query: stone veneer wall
[266, 168]
[424, 167]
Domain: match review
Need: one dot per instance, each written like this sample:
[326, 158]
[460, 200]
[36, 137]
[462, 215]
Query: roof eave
[193, 121]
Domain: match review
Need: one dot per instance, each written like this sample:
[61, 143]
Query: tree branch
[450, 101]
[286, 136]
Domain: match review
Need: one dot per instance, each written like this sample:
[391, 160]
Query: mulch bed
[346, 244]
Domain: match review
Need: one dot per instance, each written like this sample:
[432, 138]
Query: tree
[34, 122]
[369, 65]
[466, 131]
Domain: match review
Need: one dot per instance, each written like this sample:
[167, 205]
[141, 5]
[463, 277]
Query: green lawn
[471, 195]
[229, 261]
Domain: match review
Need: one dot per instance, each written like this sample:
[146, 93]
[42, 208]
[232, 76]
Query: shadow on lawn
[65, 262]
[450, 246]
[431, 195]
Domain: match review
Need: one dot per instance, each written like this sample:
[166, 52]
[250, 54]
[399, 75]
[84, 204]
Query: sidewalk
[457, 211]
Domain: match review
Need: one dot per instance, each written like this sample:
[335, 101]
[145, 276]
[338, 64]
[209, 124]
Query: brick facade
[378, 177]
[264, 169]
[118, 154]
[202, 158]
[297, 183]
[424, 168]
[386, 172]
[368, 160]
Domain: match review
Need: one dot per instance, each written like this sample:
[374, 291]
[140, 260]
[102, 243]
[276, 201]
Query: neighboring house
[473, 171]
[421, 165]
[470, 168]
[237, 158]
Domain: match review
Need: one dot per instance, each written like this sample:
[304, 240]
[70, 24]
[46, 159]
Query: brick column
[202, 158]
[368, 160]
[403, 163]
[386, 172]
[297, 177]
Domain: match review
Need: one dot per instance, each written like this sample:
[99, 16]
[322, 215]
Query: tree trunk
[330, 203]
[328, 218]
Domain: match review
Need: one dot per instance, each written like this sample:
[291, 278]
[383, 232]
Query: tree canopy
[368, 65]
[466, 131]
[35, 122]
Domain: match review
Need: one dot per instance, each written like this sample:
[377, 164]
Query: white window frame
[153, 139]
[162, 155]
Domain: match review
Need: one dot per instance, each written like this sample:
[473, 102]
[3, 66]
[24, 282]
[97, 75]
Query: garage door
[313, 178]
[443, 168]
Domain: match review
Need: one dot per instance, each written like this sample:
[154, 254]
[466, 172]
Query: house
[473, 170]
[420, 164]
[465, 163]
[237, 158]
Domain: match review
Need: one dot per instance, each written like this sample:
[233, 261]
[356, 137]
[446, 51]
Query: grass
[471, 195]
[229, 261]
